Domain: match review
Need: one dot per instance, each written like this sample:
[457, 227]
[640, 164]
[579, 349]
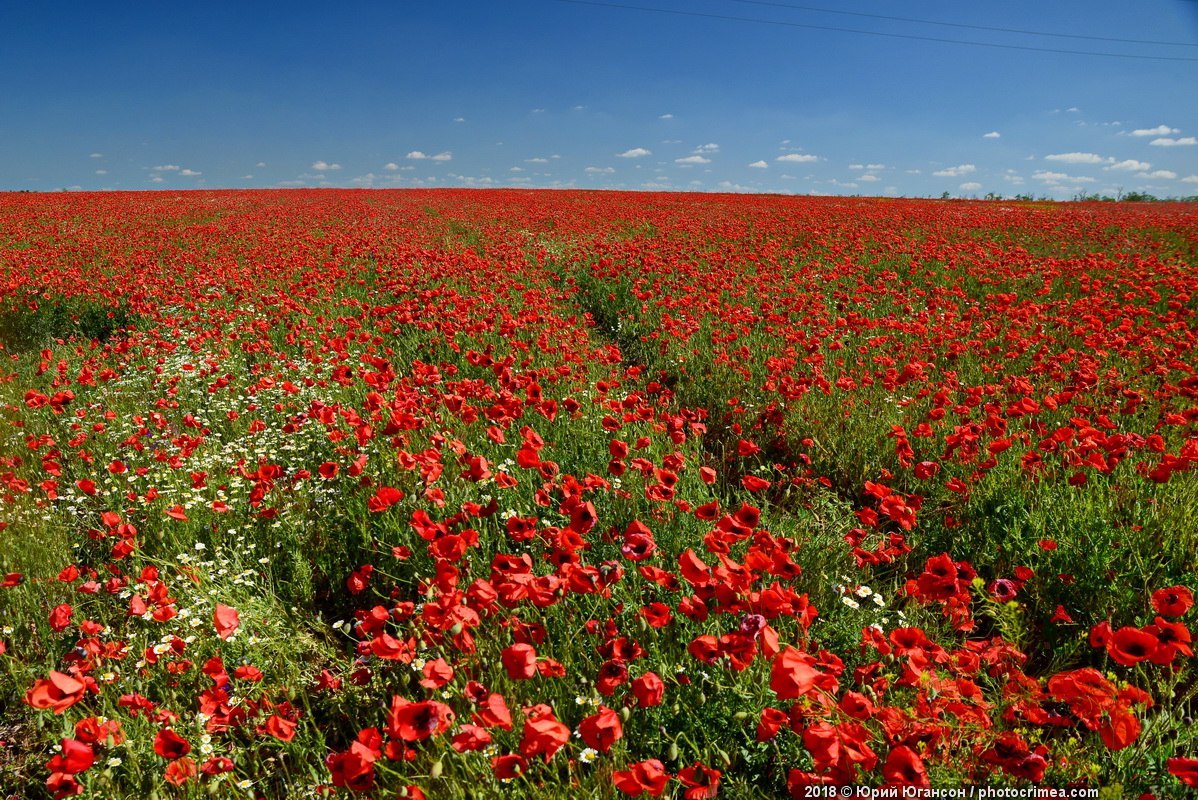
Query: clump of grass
[34, 323]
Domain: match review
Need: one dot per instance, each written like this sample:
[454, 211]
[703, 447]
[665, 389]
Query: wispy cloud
[1130, 165]
[797, 158]
[666, 116]
[708, 148]
[1078, 158]
[1159, 130]
[692, 160]
[636, 152]
[1056, 178]
[955, 172]
[992, 135]
[599, 170]
[322, 166]
[190, 173]
[1167, 142]
[759, 165]
[417, 155]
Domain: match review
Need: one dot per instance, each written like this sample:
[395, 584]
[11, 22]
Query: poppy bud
[672, 753]
[740, 716]
[436, 769]
[456, 629]
[625, 713]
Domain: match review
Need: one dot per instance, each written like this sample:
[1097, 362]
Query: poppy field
[527, 494]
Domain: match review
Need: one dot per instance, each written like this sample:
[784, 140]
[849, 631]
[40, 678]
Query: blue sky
[728, 95]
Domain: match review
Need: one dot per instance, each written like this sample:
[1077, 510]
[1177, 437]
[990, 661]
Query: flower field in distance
[464, 494]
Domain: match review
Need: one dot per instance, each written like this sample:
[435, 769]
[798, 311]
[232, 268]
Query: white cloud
[796, 158]
[955, 172]
[247, 177]
[190, 173]
[1130, 164]
[1190, 179]
[96, 155]
[759, 165]
[868, 177]
[157, 179]
[391, 165]
[1078, 158]
[537, 160]
[692, 160]
[971, 186]
[101, 172]
[636, 152]
[1159, 130]
[1167, 142]
[260, 164]
[992, 135]
[459, 119]
[856, 166]
[1052, 178]
[516, 169]
[167, 168]
[708, 148]
[417, 155]
[599, 170]
[321, 166]
[666, 116]
[1160, 173]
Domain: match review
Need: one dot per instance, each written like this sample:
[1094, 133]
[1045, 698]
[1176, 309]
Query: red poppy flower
[414, 722]
[470, 738]
[74, 758]
[544, 735]
[520, 661]
[1174, 601]
[279, 727]
[60, 617]
[1129, 646]
[384, 498]
[57, 693]
[701, 782]
[793, 674]
[494, 713]
[353, 769]
[1184, 769]
[771, 722]
[226, 619]
[648, 690]
[170, 745]
[643, 777]
[505, 768]
[904, 767]
[180, 771]
[601, 730]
